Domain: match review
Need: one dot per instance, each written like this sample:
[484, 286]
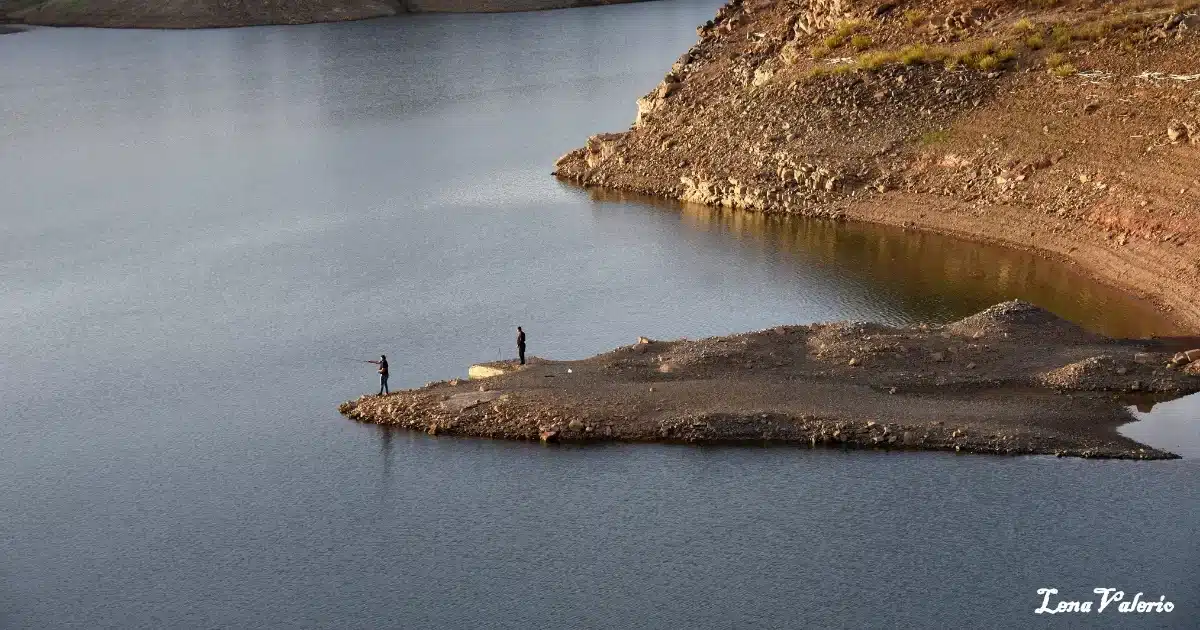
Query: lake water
[200, 230]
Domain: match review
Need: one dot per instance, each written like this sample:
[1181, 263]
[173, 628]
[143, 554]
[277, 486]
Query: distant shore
[1013, 379]
[180, 14]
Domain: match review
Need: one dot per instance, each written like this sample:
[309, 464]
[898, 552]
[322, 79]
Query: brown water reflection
[935, 277]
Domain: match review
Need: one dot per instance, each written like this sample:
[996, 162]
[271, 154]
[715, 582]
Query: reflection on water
[1165, 423]
[934, 277]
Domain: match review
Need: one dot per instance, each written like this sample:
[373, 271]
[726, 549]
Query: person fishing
[521, 345]
[383, 374]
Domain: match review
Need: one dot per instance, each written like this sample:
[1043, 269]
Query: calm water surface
[199, 229]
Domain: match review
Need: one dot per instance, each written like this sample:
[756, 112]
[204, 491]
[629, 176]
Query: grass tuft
[1064, 70]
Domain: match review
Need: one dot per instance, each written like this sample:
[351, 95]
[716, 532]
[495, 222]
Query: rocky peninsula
[176, 14]
[1013, 379]
[1071, 127]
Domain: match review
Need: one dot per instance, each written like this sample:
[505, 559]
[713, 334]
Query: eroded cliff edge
[1070, 127]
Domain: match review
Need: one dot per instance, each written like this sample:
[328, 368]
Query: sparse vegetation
[914, 54]
[873, 61]
[1064, 70]
[974, 55]
[934, 137]
[1061, 37]
[1058, 65]
[986, 56]
[989, 55]
[845, 30]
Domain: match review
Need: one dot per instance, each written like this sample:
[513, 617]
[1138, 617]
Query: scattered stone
[1177, 132]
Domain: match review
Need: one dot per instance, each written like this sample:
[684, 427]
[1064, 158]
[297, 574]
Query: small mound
[1020, 318]
[1090, 373]
[843, 341]
[1108, 373]
[706, 353]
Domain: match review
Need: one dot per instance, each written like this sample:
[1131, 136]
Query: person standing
[521, 345]
[383, 374]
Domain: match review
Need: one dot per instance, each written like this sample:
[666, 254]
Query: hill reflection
[929, 277]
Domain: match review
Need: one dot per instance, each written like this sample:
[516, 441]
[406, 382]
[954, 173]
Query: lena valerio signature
[1053, 605]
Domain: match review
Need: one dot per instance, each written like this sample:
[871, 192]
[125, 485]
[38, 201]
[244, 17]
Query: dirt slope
[1071, 127]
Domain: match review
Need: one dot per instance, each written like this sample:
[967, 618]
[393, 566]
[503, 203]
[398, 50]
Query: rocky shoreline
[1013, 380]
[194, 14]
[1069, 128]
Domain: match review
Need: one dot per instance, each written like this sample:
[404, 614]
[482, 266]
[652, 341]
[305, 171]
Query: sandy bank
[1013, 379]
[1071, 128]
[181, 14]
